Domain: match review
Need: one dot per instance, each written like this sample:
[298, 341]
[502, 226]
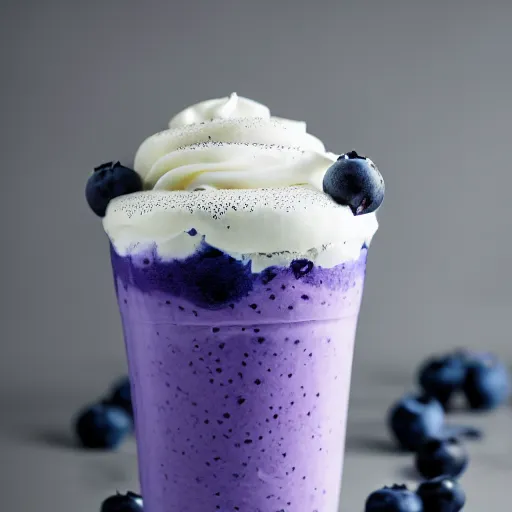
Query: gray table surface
[422, 87]
[43, 469]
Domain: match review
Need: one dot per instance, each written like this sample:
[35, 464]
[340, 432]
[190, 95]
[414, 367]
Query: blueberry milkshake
[239, 245]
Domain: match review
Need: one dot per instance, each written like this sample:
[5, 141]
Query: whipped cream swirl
[231, 143]
[243, 181]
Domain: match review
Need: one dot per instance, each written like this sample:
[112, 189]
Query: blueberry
[440, 456]
[102, 426]
[442, 377]
[487, 383]
[129, 502]
[396, 498]
[414, 419]
[441, 494]
[354, 180]
[122, 396]
[108, 181]
[301, 268]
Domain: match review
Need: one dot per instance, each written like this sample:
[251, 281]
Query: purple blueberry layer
[240, 380]
[210, 280]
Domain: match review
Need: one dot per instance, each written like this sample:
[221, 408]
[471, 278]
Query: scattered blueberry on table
[443, 377]
[441, 494]
[440, 456]
[121, 395]
[105, 424]
[414, 419]
[108, 181]
[355, 181]
[397, 498]
[481, 377]
[102, 426]
[129, 502]
[417, 422]
[487, 384]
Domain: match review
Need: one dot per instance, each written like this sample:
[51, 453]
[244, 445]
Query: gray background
[423, 87]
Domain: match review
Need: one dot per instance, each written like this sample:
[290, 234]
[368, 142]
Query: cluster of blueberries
[417, 423]
[104, 426]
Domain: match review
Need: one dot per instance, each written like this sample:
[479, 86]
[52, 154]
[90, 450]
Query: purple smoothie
[240, 380]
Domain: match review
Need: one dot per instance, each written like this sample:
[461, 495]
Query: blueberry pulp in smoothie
[240, 380]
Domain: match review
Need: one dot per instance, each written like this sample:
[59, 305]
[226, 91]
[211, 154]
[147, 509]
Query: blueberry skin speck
[122, 396]
[108, 181]
[438, 456]
[413, 419]
[441, 494]
[355, 181]
[102, 426]
[393, 499]
[129, 502]
[487, 384]
[443, 377]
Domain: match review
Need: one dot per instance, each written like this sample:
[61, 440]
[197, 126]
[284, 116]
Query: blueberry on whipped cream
[248, 183]
[108, 181]
[355, 181]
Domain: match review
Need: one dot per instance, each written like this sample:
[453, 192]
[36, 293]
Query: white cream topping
[221, 108]
[227, 162]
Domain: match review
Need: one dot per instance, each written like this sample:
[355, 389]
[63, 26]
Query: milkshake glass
[239, 284]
